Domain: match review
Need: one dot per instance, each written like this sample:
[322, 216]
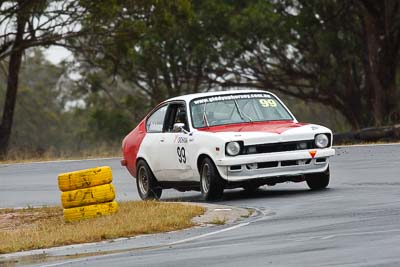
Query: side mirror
[178, 127]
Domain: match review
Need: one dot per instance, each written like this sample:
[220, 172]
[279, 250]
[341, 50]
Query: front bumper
[291, 163]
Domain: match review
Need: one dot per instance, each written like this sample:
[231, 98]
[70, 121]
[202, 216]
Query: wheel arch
[142, 158]
[136, 164]
[200, 159]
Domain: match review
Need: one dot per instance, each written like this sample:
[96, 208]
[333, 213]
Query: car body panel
[174, 156]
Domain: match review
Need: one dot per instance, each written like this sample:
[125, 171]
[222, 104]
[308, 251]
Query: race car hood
[266, 132]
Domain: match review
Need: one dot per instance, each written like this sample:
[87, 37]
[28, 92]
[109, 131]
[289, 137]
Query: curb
[220, 214]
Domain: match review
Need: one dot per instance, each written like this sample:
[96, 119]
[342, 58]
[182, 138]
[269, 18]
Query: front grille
[236, 167]
[279, 147]
[289, 163]
[265, 165]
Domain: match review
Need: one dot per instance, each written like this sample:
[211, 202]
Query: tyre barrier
[90, 211]
[84, 178]
[88, 196]
[87, 193]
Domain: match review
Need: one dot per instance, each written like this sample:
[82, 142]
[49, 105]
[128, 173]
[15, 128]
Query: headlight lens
[233, 148]
[321, 140]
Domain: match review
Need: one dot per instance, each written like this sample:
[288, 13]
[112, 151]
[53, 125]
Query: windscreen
[236, 108]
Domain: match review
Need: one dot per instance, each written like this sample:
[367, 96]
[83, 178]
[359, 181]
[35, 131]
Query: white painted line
[166, 245]
[305, 239]
[60, 263]
[210, 234]
[361, 233]
[222, 209]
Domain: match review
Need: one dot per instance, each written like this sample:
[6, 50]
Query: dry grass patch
[36, 228]
[218, 221]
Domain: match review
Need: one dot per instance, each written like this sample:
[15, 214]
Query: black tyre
[147, 185]
[318, 181]
[211, 183]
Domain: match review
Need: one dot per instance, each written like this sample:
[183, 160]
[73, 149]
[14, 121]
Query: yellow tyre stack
[87, 193]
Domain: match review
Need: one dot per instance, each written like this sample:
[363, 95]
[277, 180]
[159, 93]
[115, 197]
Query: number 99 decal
[181, 154]
[265, 103]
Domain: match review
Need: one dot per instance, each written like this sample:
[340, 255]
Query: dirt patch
[11, 219]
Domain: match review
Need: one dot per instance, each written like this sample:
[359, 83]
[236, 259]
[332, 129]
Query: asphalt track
[356, 222]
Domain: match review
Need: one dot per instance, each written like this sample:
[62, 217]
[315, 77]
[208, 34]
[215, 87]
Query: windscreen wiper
[205, 115]
[241, 113]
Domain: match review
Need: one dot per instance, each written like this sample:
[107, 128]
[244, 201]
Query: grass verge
[36, 228]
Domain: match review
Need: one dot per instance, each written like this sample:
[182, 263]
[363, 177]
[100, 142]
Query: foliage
[158, 47]
[46, 119]
[39, 119]
[25, 24]
[342, 54]
[317, 51]
[334, 61]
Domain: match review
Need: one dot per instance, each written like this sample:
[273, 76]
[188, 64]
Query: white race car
[217, 140]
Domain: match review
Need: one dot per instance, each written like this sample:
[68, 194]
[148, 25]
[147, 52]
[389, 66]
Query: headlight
[233, 148]
[321, 140]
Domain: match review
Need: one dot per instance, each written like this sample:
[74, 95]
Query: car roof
[190, 97]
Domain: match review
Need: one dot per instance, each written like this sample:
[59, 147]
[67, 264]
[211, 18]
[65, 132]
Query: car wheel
[212, 186]
[146, 183]
[318, 181]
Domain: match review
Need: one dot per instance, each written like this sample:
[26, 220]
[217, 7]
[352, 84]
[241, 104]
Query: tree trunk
[12, 87]
[381, 37]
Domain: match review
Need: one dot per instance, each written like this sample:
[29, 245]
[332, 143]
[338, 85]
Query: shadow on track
[239, 194]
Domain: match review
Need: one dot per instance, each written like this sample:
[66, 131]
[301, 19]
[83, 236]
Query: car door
[175, 165]
[154, 139]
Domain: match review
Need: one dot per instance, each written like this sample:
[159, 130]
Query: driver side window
[155, 122]
[176, 114]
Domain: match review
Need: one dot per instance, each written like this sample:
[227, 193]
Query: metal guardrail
[372, 134]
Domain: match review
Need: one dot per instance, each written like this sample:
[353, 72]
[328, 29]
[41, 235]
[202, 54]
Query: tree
[39, 117]
[342, 54]
[159, 47]
[25, 24]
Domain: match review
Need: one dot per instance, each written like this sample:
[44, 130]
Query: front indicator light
[233, 148]
[251, 150]
[321, 140]
[302, 145]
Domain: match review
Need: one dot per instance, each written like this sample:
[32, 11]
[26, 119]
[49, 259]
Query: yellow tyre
[91, 211]
[84, 178]
[88, 196]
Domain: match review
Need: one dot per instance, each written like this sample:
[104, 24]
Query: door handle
[162, 140]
